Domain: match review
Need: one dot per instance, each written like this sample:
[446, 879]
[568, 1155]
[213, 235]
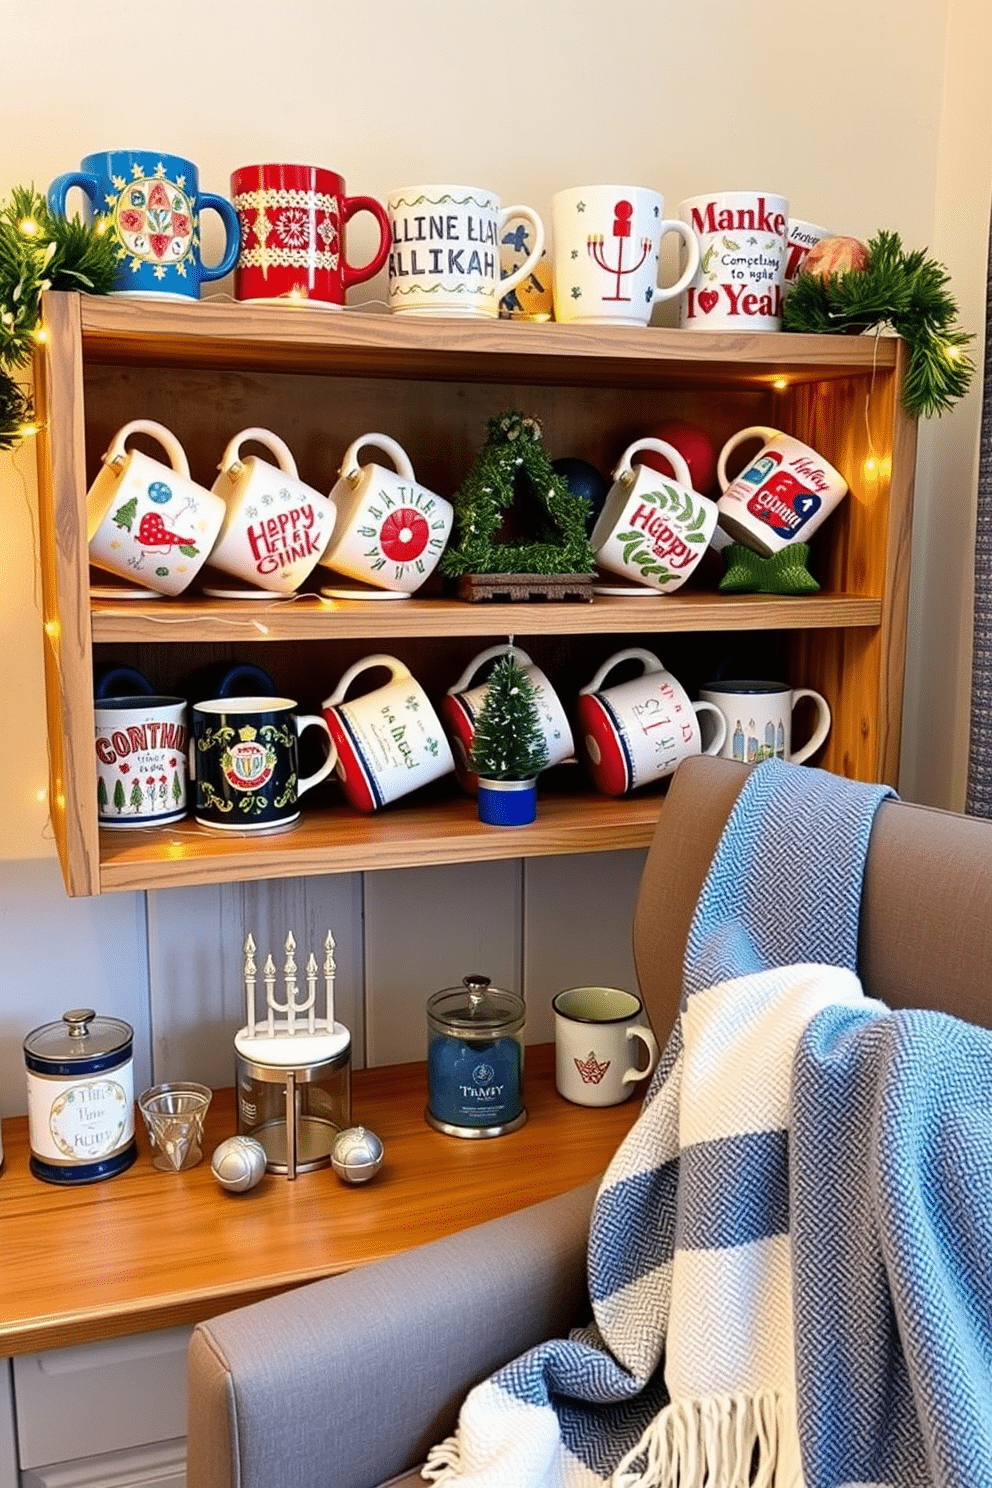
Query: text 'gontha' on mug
[782, 496]
[638, 731]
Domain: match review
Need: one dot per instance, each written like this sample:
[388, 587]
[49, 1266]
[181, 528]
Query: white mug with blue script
[151, 203]
[444, 254]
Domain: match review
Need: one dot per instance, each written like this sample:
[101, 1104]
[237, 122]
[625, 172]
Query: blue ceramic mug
[151, 202]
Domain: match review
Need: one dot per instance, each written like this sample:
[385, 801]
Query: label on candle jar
[474, 1083]
[80, 1120]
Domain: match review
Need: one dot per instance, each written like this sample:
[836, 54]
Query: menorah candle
[475, 1060]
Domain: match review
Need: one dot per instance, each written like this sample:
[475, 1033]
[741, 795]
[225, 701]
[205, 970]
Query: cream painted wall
[865, 116]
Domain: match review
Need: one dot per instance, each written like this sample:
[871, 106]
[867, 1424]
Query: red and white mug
[781, 496]
[638, 731]
[293, 220]
[461, 705]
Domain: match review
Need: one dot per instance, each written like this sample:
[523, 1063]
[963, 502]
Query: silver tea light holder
[292, 1061]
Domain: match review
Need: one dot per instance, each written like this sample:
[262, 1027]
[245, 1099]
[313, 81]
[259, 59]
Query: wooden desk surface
[151, 1250]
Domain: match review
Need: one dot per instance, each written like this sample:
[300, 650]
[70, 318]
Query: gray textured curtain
[979, 797]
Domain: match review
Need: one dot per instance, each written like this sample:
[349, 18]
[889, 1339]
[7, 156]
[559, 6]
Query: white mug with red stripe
[461, 705]
[639, 730]
[387, 742]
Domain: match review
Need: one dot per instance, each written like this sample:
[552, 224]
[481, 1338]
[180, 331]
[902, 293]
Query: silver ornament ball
[238, 1163]
[356, 1155]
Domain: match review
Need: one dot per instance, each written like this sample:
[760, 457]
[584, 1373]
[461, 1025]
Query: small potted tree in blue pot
[508, 747]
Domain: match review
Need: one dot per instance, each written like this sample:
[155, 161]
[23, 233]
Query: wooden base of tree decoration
[513, 470]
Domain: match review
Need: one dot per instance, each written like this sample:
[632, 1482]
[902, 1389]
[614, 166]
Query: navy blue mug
[151, 202]
[245, 760]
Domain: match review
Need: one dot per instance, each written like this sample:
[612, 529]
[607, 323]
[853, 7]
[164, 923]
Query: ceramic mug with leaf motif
[653, 530]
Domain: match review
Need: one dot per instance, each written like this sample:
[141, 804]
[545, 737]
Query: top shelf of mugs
[217, 334]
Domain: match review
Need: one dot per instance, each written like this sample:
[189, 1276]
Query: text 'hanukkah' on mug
[141, 745]
[742, 238]
[783, 495]
[389, 531]
[386, 742]
[461, 705]
[245, 760]
[445, 250]
[293, 240]
[759, 720]
[652, 529]
[276, 527]
[638, 731]
[147, 521]
[597, 1030]
[606, 249]
[151, 203]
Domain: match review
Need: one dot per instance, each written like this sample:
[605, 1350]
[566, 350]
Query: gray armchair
[348, 1382]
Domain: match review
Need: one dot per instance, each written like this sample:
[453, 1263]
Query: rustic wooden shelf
[319, 378]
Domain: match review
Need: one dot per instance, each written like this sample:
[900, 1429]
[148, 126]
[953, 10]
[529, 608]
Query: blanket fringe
[443, 1463]
[718, 1441]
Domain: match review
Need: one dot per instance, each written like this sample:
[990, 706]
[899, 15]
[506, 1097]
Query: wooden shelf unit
[319, 378]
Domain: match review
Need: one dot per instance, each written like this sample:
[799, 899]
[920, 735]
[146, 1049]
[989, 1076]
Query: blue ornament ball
[583, 479]
[160, 492]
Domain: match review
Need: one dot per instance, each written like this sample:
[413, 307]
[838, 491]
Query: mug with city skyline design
[759, 720]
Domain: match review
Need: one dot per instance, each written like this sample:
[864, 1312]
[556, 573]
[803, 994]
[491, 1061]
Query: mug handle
[117, 453]
[230, 463]
[305, 721]
[351, 469]
[635, 653]
[822, 728]
[350, 206]
[660, 447]
[396, 669]
[528, 215]
[647, 1038]
[720, 737]
[685, 232]
[110, 684]
[468, 675]
[232, 235]
[257, 679]
[753, 431]
[62, 185]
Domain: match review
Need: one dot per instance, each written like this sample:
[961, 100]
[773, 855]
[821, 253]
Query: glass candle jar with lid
[80, 1077]
[475, 1060]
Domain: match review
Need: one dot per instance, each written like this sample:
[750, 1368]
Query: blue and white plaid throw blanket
[790, 1256]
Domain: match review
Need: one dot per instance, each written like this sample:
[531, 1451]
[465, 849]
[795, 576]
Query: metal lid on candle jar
[80, 1043]
[476, 1009]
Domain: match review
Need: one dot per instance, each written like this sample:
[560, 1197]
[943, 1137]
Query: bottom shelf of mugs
[419, 830]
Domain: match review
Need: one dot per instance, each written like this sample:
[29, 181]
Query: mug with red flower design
[293, 220]
[388, 530]
[148, 521]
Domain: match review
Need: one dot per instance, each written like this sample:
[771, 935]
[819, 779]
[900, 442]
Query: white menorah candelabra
[293, 1060]
[294, 1004]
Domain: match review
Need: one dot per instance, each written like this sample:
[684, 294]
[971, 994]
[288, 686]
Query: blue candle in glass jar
[475, 1060]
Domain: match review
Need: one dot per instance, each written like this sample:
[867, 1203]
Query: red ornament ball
[835, 256]
[693, 444]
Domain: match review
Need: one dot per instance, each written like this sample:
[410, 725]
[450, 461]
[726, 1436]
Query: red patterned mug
[292, 234]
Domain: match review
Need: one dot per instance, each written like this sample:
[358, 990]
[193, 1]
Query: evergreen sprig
[908, 291]
[508, 743]
[513, 452]
[39, 251]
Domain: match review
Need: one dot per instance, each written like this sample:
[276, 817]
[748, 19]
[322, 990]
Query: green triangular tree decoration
[508, 743]
[513, 448]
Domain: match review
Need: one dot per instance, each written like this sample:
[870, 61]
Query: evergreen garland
[508, 743]
[39, 251]
[907, 291]
[513, 449]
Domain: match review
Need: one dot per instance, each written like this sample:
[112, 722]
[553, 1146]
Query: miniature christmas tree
[514, 463]
[508, 743]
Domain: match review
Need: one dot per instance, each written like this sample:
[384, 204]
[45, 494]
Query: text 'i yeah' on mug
[743, 244]
[597, 1030]
[245, 761]
[445, 250]
[782, 496]
[638, 731]
[759, 720]
[606, 252]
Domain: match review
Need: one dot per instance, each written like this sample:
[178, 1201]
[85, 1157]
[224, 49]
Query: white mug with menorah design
[596, 1032]
[606, 251]
[444, 256]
